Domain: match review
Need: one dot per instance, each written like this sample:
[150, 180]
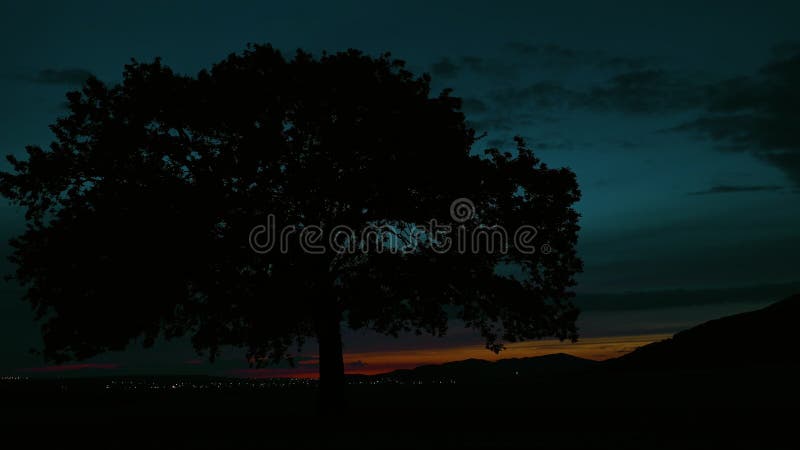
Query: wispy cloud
[757, 114]
[554, 55]
[57, 76]
[650, 91]
[516, 57]
[730, 189]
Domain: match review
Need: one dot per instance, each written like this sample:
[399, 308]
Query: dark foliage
[138, 214]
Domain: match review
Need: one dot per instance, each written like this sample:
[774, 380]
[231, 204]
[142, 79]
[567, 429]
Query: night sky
[679, 119]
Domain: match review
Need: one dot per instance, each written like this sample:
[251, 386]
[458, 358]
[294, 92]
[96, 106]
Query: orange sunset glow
[371, 363]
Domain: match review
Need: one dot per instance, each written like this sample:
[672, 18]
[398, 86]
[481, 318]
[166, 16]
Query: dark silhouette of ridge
[763, 337]
[478, 370]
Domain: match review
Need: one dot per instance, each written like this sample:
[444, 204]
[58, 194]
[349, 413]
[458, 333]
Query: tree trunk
[331, 364]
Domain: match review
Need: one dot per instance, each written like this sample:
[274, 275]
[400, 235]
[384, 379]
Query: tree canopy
[139, 214]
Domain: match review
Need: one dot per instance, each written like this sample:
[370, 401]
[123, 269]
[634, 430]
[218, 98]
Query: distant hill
[758, 338]
[478, 370]
[768, 336]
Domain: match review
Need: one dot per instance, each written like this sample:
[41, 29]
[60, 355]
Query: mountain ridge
[760, 337]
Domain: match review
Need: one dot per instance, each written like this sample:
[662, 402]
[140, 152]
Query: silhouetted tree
[139, 214]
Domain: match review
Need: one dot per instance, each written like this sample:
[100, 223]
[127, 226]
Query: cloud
[547, 50]
[474, 105]
[762, 293]
[558, 144]
[445, 68]
[539, 143]
[449, 68]
[542, 94]
[521, 56]
[58, 76]
[637, 92]
[757, 114]
[786, 48]
[358, 364]
[508, 121]
[629, 86]
[645, 92]
[788, 161]
[556, 56]
[728, 189]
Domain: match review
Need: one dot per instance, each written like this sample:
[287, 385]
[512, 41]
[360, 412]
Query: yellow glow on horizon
[598, 348]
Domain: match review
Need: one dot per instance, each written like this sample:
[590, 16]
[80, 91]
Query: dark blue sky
[638, 100]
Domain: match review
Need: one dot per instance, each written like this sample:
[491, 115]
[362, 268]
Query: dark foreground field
[753, 408]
